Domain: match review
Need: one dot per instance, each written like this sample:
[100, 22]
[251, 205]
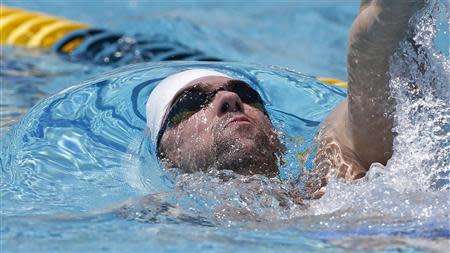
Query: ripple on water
[85, 147]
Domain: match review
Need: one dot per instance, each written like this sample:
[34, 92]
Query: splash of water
[413, 185]
[420, 85]
[415, 182]
[228, 197]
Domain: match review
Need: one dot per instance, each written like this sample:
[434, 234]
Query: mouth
[237, 120]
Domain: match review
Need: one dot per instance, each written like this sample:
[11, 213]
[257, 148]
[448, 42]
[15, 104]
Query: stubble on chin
[245, 150]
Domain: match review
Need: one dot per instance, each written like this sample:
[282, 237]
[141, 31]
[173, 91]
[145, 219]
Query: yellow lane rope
[5, 11]
[333, 81]
[10, 22]
[51, 33]
[23, 33]
[34, 30]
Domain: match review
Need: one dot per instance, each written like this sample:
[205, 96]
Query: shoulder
[336, 155]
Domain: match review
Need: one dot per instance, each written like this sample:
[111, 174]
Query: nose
[226, 101]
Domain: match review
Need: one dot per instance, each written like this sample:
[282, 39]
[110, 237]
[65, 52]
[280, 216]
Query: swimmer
[200, 119]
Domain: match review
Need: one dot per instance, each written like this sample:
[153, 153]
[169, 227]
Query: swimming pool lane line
[32, 29]
[80, 42]
[333, 81]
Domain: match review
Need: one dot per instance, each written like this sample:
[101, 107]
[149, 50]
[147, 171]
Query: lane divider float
[77, 41]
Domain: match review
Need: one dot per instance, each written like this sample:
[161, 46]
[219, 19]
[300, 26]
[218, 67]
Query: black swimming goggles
[195, 98]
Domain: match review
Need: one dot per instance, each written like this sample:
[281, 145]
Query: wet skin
[356, 134]
[359, 131]
[224, 134]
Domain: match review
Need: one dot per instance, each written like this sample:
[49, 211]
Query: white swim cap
[162, 95]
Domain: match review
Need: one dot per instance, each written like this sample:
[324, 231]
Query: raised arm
[375, 35]
[359, 131]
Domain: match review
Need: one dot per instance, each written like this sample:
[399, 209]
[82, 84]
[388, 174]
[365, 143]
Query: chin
[246, 156]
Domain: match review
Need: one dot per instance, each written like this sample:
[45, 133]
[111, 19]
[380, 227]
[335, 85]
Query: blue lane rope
[100, 46]
[75, 35]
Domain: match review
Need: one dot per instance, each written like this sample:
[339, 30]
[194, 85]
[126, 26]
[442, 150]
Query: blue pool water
[78, 175]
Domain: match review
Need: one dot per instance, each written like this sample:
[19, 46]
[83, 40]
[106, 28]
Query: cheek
[196, 129]
[261, 119]
[196, 124]
[265, 125]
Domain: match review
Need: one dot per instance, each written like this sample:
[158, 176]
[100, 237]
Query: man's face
[225, 133]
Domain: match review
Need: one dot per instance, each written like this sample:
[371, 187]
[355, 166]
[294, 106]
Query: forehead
[209, 83]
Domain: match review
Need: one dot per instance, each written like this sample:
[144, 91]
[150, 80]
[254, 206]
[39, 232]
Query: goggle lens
[193, 100]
